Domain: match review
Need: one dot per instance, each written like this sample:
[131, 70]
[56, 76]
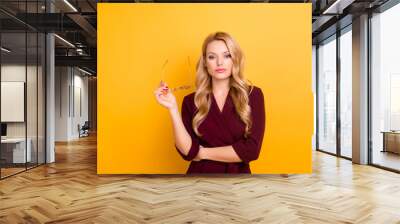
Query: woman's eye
[228, 56]
[210, 57]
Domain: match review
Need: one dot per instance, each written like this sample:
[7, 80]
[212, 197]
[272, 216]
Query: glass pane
[327, 96]
[22, 88]
[31, 84]
[14, 152]
[346, 93]
[41, 98]
[32, 93]
[386, 88]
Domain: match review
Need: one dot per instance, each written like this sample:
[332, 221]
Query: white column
[50, 92]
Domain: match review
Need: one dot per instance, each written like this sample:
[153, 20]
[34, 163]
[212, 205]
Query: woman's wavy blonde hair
[239, 86]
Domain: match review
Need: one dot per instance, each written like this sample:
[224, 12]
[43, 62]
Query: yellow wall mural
[135, 134]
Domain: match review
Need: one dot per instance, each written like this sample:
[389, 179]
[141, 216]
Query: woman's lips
[220, 70]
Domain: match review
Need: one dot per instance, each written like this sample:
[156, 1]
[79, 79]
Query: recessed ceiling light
[64, 40]
[84, 71]
[5, 50]
[71, 6]
[338, 6]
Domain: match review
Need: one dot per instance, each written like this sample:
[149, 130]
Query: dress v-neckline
[220, 110]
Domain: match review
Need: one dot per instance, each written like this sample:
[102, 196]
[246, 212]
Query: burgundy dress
[222, 128]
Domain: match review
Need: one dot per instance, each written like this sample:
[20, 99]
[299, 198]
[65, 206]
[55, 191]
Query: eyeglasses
[175, 88]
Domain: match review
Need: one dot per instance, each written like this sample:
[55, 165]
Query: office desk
[391, 141]
[15, 148]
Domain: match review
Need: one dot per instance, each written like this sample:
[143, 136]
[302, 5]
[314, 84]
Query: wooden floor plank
[70, 191]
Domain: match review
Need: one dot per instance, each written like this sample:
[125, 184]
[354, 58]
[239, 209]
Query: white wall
[33, 127]
[81, 84]
[62, 81]
[314, 91]
[71, 87]
[12, 73]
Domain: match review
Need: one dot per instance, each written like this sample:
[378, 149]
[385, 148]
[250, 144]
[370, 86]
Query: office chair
[84, 130]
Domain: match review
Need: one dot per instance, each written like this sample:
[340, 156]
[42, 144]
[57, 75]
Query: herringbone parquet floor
[69, 191]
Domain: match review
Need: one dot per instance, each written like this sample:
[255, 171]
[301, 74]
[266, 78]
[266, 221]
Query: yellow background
[135, 134]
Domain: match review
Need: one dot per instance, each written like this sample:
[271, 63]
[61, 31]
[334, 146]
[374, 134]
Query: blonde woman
[222, 125]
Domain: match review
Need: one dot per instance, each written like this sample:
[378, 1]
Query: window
[385, 88]
[346, 93]
[327, 95]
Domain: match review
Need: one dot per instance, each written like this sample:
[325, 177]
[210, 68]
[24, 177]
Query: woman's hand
[200, 154]
[165, 97]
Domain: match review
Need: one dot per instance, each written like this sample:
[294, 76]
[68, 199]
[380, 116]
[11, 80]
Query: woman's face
[218, 60]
